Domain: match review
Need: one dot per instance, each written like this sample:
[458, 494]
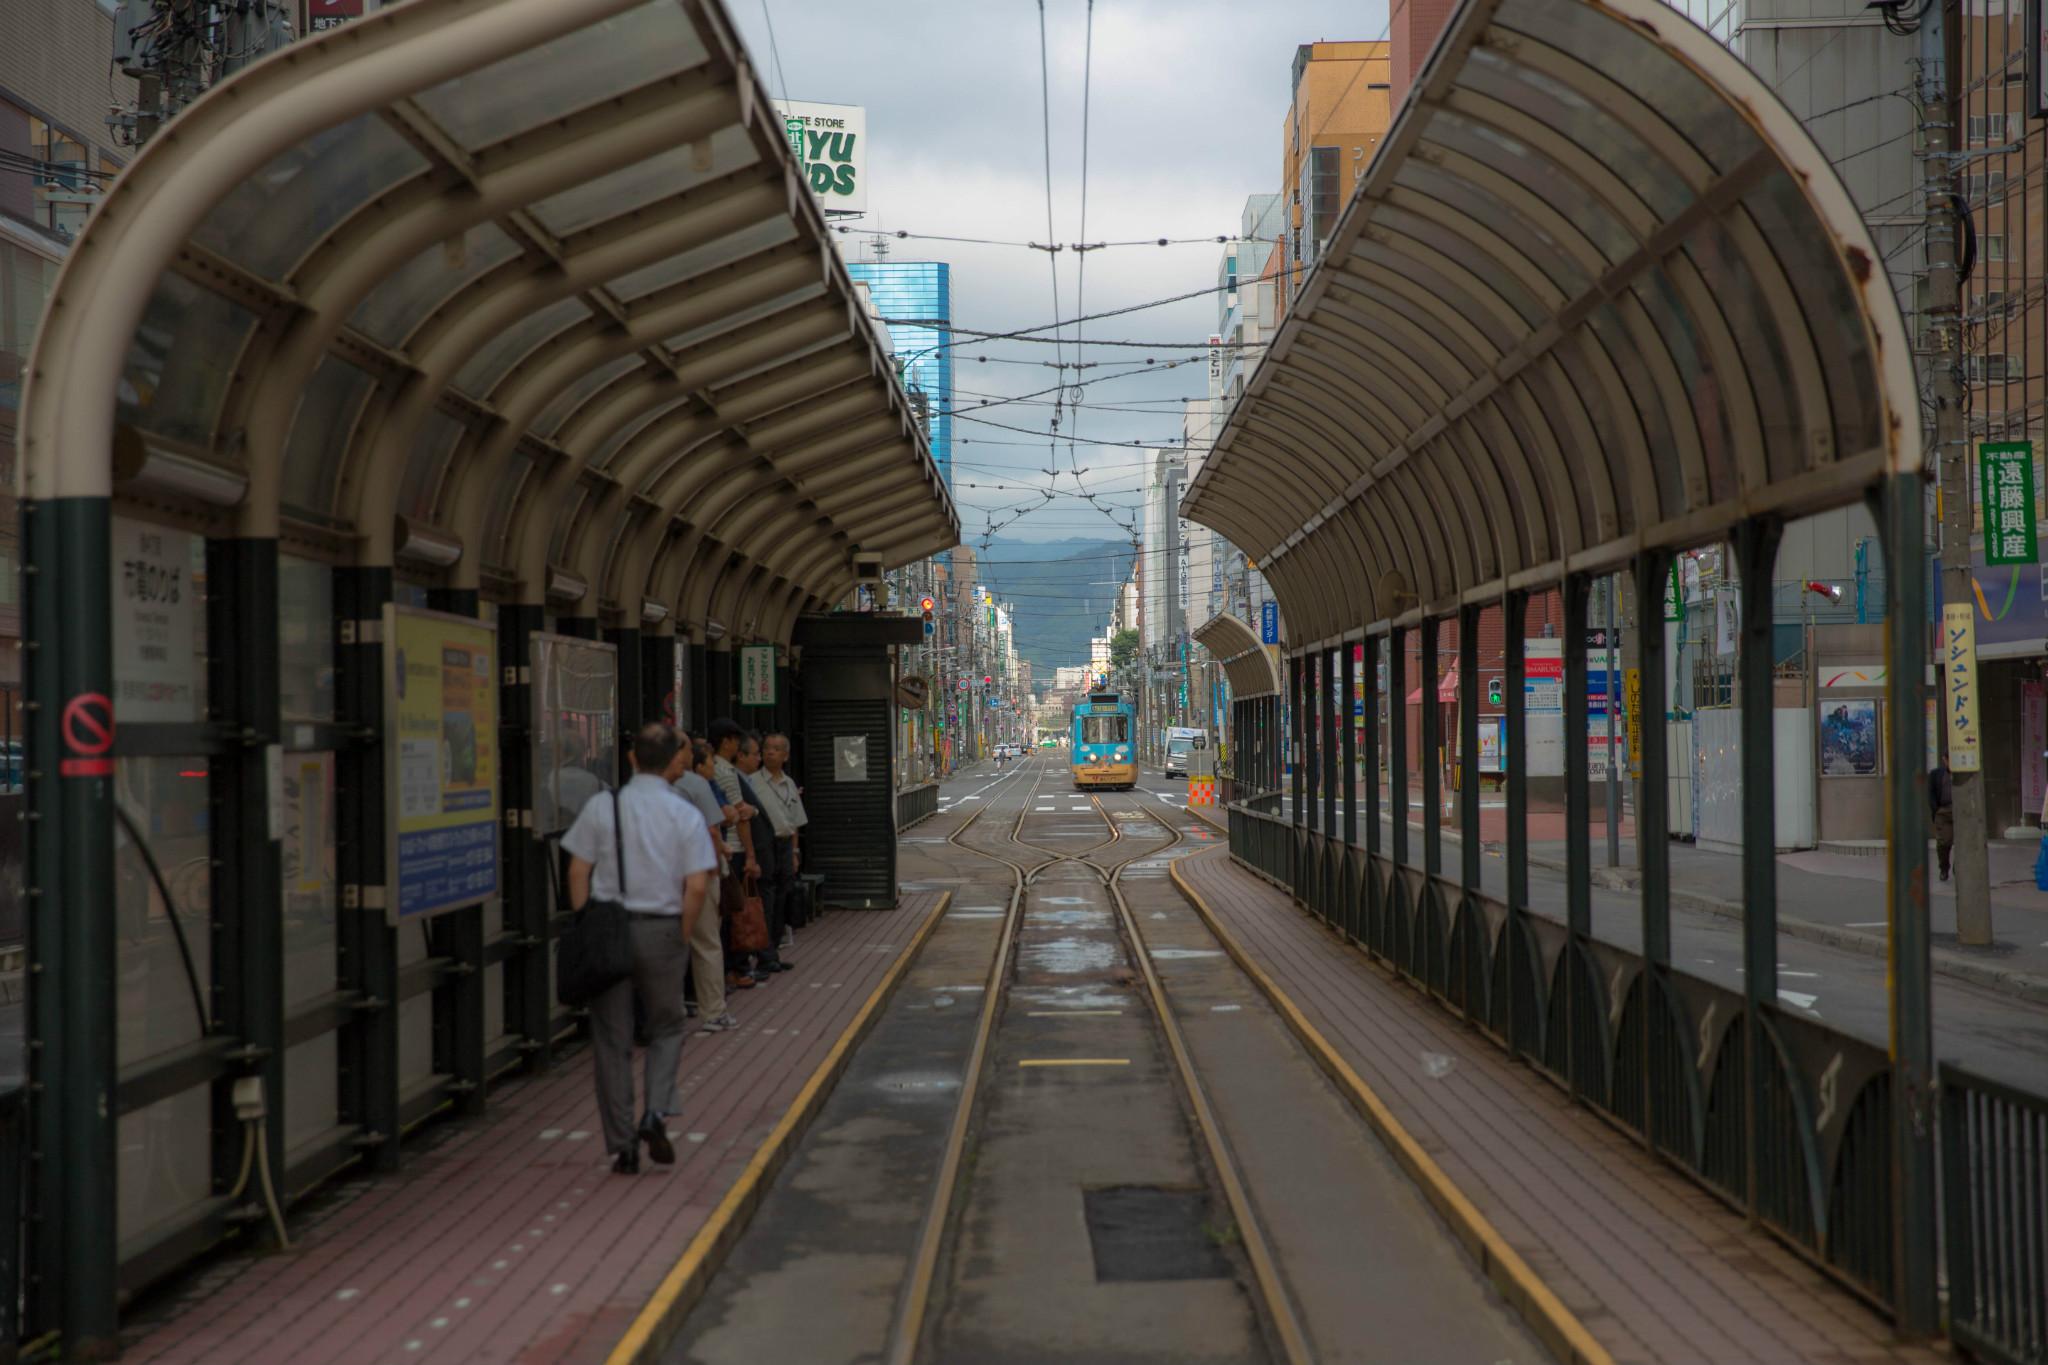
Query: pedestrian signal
[1493, 692]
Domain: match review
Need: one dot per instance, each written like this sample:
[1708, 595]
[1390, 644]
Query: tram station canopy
[527, 294]
[1598, 293]
[1245, 662]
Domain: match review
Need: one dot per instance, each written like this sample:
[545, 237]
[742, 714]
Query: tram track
[909, 1328]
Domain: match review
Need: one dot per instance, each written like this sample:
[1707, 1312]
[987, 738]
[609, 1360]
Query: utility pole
[1951, 445]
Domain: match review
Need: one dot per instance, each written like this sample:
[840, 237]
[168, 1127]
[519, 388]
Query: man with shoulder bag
[646, 850]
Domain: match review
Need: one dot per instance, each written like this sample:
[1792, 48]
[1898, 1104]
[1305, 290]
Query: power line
[775, 53]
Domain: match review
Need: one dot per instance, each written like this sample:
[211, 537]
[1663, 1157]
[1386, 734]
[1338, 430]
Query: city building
[1335, 121]
[916, 299]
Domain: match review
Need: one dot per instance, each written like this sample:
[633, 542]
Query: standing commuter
[659, 843]
[784, 805]
[762, 841]
[1941, 800]
[707, 954]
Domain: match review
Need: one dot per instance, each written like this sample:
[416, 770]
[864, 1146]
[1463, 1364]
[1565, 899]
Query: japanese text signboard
[441, 748]
[155, 622]
[2006, 476]
[757, 675]
[1959, 673]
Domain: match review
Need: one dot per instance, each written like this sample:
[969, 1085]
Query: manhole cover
[1141, 1232]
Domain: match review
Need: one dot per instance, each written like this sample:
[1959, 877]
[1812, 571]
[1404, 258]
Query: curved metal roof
[539, 277]
[1598, 292]
[1245, 662]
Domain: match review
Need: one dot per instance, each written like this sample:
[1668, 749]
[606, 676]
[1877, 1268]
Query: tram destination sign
[441, 762]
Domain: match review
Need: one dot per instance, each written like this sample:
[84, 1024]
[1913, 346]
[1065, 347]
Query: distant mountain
[1062, 592]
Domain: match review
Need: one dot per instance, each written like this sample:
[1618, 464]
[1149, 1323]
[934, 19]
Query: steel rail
[1280, 1309]
[908, 1326]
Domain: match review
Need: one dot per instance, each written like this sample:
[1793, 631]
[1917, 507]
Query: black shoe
[783, 966]
[654, 1132]
[627, 1162]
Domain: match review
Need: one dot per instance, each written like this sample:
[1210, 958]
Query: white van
[1182, 740]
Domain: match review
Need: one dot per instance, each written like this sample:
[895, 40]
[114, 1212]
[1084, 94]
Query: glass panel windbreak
[320, 434]
[1709, 393]
[428, 280]
[310, 901]
[179, 362]
[1484, 267]
[167, 801]
[1441, 287]
[631, 187]
[512, 345]
[272, 219]
[1646, 71]
[305, 596]
[733, 321]
[578, 69]
[432, 444]
[164, 1170]
[1573, 116]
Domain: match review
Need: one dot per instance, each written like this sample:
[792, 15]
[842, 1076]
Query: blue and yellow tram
[1105, 752]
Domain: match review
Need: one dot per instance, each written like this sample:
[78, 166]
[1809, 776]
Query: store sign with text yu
[830, 142]
[2006, 480]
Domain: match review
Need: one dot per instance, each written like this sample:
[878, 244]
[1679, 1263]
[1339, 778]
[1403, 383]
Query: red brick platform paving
[1656, 1268]
[507, 1238]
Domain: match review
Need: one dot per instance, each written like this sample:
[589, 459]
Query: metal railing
[916, 803]
[1994, 1187]
[1663, 1054]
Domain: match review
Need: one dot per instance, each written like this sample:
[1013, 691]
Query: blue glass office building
[921, 290]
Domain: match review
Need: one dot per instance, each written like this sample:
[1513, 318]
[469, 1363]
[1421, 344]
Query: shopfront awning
[1598, 293]
[525, 293]
[1245, 661]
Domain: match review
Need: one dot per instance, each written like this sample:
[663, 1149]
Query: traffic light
[1493, 692]
[928, 604]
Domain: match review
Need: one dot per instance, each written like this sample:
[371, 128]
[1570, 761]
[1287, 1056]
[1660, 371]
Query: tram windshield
[1103, 729]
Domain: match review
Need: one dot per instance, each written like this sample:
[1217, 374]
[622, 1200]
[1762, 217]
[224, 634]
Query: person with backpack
[645, 849]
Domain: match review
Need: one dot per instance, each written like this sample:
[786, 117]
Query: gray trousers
[660, 957]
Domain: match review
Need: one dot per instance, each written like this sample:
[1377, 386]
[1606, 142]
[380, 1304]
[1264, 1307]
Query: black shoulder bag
[597, 949]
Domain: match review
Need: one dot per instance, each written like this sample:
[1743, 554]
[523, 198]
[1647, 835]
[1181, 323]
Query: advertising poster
[1849, 738]
[830, 142]
[575, 699]
[441, 748]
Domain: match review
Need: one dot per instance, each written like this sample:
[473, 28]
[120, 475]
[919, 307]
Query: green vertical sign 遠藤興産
[2006, 478]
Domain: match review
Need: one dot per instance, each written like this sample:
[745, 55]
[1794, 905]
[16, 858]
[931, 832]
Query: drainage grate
[1141, 1232]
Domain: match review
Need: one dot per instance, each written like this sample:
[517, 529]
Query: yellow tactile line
[1546, 1314]
[656, 1325]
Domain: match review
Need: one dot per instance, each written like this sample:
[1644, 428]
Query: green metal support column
[1653, 792]
[529, 1001]
[1756, 556]
[248, 891]
[1348, 751]
[1578, 806]
[1312, 705]
[1397, 745]
[1432, 747]
[73, 1233]
[632, 697]
[1912, 1028]
[368, 945]
[460, 1028]
[1514, 757]
[1371, 756]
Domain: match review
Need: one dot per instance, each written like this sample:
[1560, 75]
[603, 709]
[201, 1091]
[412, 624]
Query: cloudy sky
[1185, 109]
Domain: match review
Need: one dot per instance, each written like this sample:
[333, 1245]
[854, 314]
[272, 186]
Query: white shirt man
[647, 849]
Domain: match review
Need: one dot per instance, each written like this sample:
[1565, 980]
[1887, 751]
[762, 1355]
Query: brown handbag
[749, 923]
